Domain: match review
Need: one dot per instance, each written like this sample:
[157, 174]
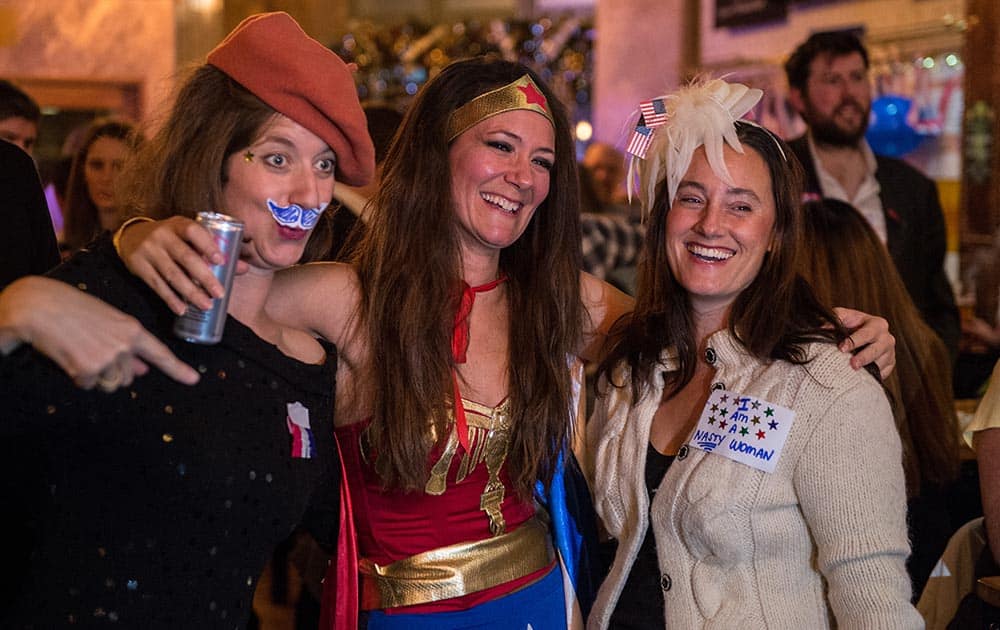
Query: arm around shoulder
[605, 305]
[322, 298]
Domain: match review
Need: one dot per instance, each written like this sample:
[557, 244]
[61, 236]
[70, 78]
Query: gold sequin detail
[489, 440]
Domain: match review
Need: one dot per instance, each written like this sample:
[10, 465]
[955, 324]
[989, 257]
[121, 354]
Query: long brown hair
[848, 265]
[772, 318]
[181, 170]
[82, 218]
[410, 273]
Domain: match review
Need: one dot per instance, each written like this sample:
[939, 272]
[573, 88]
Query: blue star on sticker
[773, 424]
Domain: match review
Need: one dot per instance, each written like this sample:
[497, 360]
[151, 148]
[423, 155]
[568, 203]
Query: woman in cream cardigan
[750, 476]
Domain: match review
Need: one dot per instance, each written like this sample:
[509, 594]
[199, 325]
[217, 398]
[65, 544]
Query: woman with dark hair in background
[92, 204]
[847, 264]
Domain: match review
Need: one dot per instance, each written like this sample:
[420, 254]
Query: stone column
[642, 50]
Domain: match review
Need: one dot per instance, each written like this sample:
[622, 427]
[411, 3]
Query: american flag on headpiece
[638, 144]
[654, 111]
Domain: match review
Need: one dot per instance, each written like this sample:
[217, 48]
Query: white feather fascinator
[702, 113]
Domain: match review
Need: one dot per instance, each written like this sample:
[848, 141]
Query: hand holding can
[206, 326]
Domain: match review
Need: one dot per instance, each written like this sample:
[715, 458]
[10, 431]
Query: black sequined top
[156, 506]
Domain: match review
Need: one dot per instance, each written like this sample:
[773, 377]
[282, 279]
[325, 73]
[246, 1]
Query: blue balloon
[888, 132]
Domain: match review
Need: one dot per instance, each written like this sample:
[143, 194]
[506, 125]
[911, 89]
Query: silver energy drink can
[196, 325]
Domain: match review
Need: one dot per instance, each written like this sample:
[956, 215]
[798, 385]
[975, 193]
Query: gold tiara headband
[520, 94]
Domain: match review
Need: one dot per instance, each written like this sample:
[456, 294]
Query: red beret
[271, 56]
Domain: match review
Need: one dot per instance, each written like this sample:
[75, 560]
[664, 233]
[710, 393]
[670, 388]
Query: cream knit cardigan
[821, 542]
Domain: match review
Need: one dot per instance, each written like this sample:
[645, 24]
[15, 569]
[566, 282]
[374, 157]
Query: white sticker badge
[744, 429]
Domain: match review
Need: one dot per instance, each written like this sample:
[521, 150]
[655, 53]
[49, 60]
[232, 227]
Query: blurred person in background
[27, 241]
[920, 387]
[92, 205]
[19, 117]
[954, 597]
[611, 230]
[980, 323]
[605, 166]
[830, 88]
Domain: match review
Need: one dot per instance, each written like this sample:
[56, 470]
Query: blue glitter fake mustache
[295, 216]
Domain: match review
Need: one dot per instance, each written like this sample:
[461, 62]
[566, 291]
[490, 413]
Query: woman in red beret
[158, 505]
[91, 205]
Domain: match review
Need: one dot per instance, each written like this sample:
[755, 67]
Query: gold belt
[456, 570]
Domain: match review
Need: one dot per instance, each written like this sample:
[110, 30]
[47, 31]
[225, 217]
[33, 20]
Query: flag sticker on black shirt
[303, 444]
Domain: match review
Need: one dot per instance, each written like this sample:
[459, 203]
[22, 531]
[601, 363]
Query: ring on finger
[110, 378]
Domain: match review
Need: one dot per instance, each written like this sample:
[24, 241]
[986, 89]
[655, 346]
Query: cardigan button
[665, 582]
[710, 356]
[718, 385]
[682, 452]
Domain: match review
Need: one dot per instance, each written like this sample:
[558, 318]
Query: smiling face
[500, 171]
[105, 159]
[836, 103]
[717, 234]
[286, 166]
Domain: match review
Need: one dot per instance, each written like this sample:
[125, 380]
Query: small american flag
[638, 144]
[303, 441]
[654, 111]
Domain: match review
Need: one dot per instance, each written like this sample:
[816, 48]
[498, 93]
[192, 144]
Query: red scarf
[460, 343]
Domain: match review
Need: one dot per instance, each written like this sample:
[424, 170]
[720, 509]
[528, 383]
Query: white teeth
[712, 253]
[505, 204]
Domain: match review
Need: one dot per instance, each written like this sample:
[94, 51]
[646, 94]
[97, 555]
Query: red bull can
[205, 327]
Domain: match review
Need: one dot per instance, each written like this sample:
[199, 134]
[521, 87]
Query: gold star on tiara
[520, 94]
